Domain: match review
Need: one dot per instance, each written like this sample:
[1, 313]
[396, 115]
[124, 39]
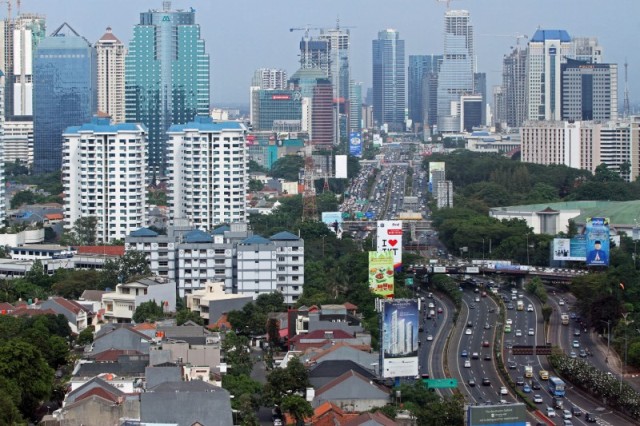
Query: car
[535, 386]
[425, 375]
[464, 353]
[544, 374]
[551, 412]
[509, 321]
[483, 294]
[566, 414]
[576, 332]
[514, 297]
[487, 326]
[472, 306]
[277, 422]
[582, 353]
[575, 344]
[513, 365]
[510, 306]
[530, 308]
[537, 399]
[475, 355]
[567, 422]
[561, 302]
[504, 391]
[487, 357]
[439, 310]
[519, 380]
[518, 333]
[429, 338]
[469, 324]
[477, 299]
[485, 344]
[471, 382]
[430, 295]
[573, 354]
[431, 305]
[576, 412]
[526, 389]
[421, 329]
[467, 363]
[532, 332]
[468, 331]
[486, 381]
[590, 418]
[573, 315]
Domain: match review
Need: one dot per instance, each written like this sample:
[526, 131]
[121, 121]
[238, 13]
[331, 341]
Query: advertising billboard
[381, 273]
[341, 166]
[439, 269]
[400, 319]
[597, 233]
[333, 220]
[570, 249]
[497, 415]
[389, 238]
[355, 144]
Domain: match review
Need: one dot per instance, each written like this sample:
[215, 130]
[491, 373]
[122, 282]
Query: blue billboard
[597, 233]
[355, 144]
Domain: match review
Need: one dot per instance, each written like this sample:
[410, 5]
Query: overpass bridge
[554, 275]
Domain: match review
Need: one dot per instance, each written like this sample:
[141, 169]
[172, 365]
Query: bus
[556, 386]
[520, 305]
[565, 319]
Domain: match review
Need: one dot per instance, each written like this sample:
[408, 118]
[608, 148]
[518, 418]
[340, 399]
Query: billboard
[381, 273]
[439, 269]
[355, 144]
[389, 238]
[597, 233]
[333, 220]
[400, 319]
[377, 140]
[341, 166]
[495, 415]
[570, 249]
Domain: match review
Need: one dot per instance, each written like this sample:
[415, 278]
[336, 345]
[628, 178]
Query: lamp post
[608, 322]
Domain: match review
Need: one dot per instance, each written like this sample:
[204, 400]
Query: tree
[237, 353]
[148, 311]
[86, 336]
[133, 265]
[287, 168]
[255, 185]
[247, 411]
[37, 275]
[298, 407]
[547, 310]
[70, 284]
[22, 197]
[185, 315]
[85, 229]
[286, 381]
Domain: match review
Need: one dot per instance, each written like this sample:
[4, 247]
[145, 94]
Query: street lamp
[626, 342]
[608, 322]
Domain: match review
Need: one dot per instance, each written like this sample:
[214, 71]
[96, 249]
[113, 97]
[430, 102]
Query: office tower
[339, 73]
[269, 78]
[514, 83]
[471, 111]
[18, 142]
[277, 110]
[589, 91]
[588, 49]
[110, 54]
[458, 66]
[480, 89]
[355, 106]
[166, 75]
[547, 50]
[430, 99]
[64, 91]
[3, 206]
[419, 68]
[112, 191]
[499, 113]
[316, 92]
[389, 75]
[207, 171]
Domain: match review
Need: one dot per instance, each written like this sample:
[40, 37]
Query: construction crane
[448, 2]
[517, 36]
[306, 29]
[10, 7]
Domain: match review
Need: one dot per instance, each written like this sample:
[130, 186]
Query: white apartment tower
[269, 78]
[207, 171]
[104, 175]
[3, 206]
[110, 55]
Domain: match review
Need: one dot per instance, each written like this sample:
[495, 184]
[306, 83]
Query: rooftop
[104, 125]
[206, 123]
[543, 35]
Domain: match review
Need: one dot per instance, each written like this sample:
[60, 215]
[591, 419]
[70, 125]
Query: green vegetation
[255, 185]
[287, 168]
[157, 197]
[252, 319]
[82, 234]
[148, 311]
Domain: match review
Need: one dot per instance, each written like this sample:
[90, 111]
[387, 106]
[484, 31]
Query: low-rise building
[120, 305]
[79, 316]
[212, 302]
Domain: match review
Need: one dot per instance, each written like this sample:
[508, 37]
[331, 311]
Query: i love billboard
[390, 239]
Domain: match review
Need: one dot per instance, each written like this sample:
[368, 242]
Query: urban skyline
[421, 28]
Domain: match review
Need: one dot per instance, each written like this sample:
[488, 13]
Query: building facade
[589, 91]
[389, 80]
[18, 142]
[166, 76]
[514, 78]
[207, 171]
[64, 90]
[420, 66]
[458, 65]
[110, 54]
[276, 109]
[355, 106]
[269, 78]
[104, 176]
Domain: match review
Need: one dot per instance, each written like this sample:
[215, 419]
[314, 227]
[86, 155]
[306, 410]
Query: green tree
[21, 198]
[85, 230]
[287, 168]
[133, 265]
[255, 185]
[148, 311]
[185, 315]
[70, 284]
[9, 402]
[237, 353]
[247, 411]
[298, 407]
[37, 275]
[254, 167]
[286, 381]
[86, 336]
[547, 310]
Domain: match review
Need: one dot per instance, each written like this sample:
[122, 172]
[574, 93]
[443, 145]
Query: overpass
[555, 275]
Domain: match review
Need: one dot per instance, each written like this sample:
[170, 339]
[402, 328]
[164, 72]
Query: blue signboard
[597, 231]
[369, 215]
[355, 144]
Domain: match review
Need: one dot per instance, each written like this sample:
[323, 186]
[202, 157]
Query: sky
[243, 35]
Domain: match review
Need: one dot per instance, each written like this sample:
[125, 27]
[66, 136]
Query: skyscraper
[269, 78]
[64, 91]
[389, 79]
[514, 82]
[458, 65]
[419, 67]
[480, 89]
[589, 91]
[316, 92]
[339, 72]
[355, 106]
[166, 75]
[547, 50]
[110, 54]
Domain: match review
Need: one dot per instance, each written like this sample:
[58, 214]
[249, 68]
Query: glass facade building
[419, 67]
[64, 90]
[389, 80]
[166, 76]
[277, 109]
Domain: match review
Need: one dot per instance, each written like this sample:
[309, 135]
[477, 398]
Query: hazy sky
[242, 35]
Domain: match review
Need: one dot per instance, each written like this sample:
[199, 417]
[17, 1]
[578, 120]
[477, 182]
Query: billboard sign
[389, 238]
[496, 415]
[341, 166]
[333, 220]
[400, 320]
[597, 233]
[473, 270]
[570, 249]
[355, 144]
[381, 273]
[440, 269]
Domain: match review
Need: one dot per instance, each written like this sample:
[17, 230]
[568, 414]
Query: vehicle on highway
[537, 399]
[519, 380]
[431, 305]
[467, 363]
[504, 391]
[576, 332]
[583, 353]
[518, 333]
[535, 386]
[556, 386]
[509, 321]
[528, 371]
[551, 412]
[576, 411]
[471, 382]
[477, 299]
[507, 328]
[561, 302]
[565, 319]
[472, 306]
[532, 332]
[510, 306]
[590, 418]
[530, 308]
[513, 365]
[567, 422]
[469, 324]
[486, 381]
[439, 310]
[575, 344]
[468, 331]
[487, 357]
[520, 305]
[526, 388]
[544, 374]
[487, 326]
[430, 295]
[475, 355]
[429, 338]
[573, 354]
[485, 343]
[464, 353]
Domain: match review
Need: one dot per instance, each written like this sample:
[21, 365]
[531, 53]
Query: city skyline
[259, 29]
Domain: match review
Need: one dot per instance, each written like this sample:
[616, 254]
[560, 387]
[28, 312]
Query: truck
[565, 319]
[520, 305]
[528, 371]
[556, 386]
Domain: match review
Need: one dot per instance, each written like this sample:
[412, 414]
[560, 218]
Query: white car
[431, 305]
[504, 391]
[551, 412]
[532, 332]
[467, 363]
[429, 338]
[468, 331]
[561, 302]
[537, 399]
[509, 321]
[530, 308]
[575, 344]
[518, 333]
[566, 414]
[477, 299]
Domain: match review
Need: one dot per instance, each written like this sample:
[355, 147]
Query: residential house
[126, 373]
[352, 392]
[325, 371]
[120, 305]
[211, 303]
[320, 338]
[190, 345]
[76, 314]
[341, 351]
[370, 419]
[120, 337]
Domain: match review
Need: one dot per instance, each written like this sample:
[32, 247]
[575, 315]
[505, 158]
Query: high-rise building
[355, 107]
[207, 171]
[499, 113]
[166, 75]
[547, 51]
[589, 91]
[389, 80]
[588, 50]
[318, 117]
[3, 206]
[18, 142]
[276, 109]
[110, 54]
[419, 67]
[471, 111]
[514, 83]
[112, 191]
[458, 65]
[480, 89]
[269, 78]
[64, 91]
[339, 73]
